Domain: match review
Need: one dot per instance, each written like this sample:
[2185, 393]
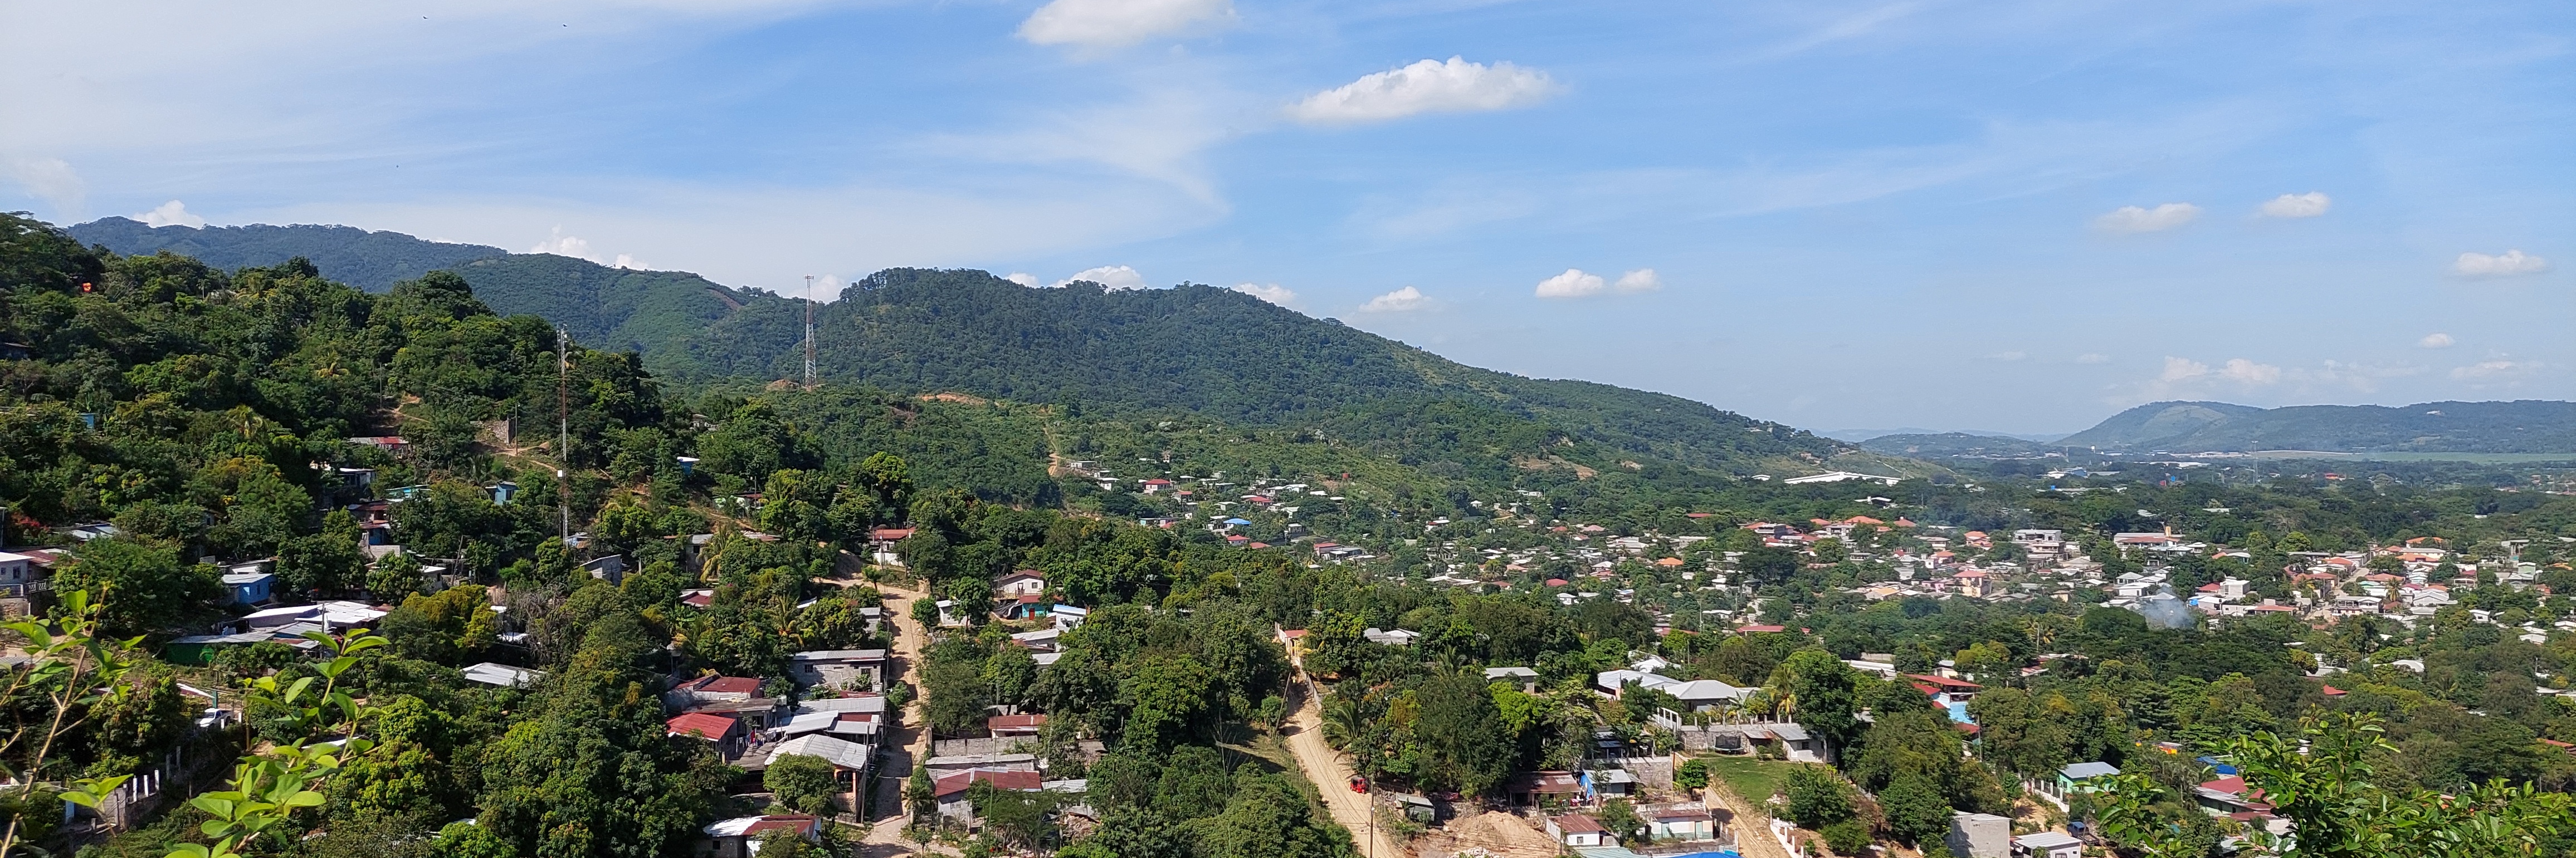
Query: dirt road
[1333, 779]
[911, 741]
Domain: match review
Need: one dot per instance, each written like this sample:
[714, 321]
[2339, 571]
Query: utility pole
[809, 332]
[563, 431]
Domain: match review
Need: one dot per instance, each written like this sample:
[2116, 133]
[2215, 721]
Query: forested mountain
[2520, 426]
[1197, 349]
[372, 261]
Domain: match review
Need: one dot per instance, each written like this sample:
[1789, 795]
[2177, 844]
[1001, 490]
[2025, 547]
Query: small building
[1535, 788]
[1980, 835]
[1025, 582]
[740, 836]
[1390, 637]
[1604, 784]
[502, 675]
[250, 588]
[1575, 829]
[862, 669]
[726, 732]
[611, 569]
[849, 759]
[2047, 844]
[1688, 821]
[1524, 677]
[502, 492]
[951, 790]
[1068, 617]
[2079, 777]
[1015, 725]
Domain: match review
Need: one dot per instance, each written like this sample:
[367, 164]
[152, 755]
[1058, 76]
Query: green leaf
[307, 798]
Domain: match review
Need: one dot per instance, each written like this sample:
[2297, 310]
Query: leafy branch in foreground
[74, 669]
[268, 787]
[2319, 779]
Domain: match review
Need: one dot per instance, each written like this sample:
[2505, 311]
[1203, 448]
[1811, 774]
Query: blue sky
[1997, 215]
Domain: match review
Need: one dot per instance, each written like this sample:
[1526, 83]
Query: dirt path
[1324, 767]
[1752, 829]
[912, 739]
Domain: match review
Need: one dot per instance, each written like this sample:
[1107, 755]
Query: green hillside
[372, 261]
[1199, 350]
[2520, 426]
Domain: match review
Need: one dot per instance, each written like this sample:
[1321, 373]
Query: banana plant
[269, 787]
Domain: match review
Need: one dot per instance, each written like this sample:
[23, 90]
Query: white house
[1575, 829]
[2048, 844]
[861, 668]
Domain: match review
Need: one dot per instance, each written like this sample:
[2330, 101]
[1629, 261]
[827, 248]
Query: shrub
[1847, 837]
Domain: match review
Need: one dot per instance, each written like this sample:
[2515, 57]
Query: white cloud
[1271, 292]
[1640, 280]
[1118, 23]
[172, 213]
[1023, 278]
[1574, 283]
[2247, 372]
[2507, 264]
[2133, 219]
[1398, 301]
[1113, 276]
[2092, 357]
[51, 180]
[2008, 356]
[2310, 204]
[2182, 369]
[2436, 340]
[560, 244]
[1428, 86]
[630, 262]
[2489, 369]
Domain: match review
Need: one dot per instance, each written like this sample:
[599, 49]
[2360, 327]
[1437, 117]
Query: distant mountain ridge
[1206, 350]
[2520, 426]
[1936, 444]
[655, 313]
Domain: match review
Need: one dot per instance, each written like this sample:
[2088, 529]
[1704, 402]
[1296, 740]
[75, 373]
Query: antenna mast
[563, 430]
[809, 332]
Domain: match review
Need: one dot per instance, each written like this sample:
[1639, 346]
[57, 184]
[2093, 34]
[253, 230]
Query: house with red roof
[951, 790]
[1015, 725]
[723, 730]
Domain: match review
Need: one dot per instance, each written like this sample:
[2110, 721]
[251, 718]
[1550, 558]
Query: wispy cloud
[2127, 220]
[52, 180]
[2499, 369]
[2506, 264]
[1402, 300]
[1429, 86]
[1118, 23]
[1023, 278]
[1640, 280]
[2435, 340]
[2310, 204]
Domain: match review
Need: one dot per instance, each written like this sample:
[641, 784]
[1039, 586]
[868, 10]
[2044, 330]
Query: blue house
[250, 588]
[502, 492]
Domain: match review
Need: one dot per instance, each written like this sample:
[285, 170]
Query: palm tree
[1342, 723]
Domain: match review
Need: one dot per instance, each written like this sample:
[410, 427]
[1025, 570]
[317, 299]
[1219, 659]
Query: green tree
[396, 575]
[805, 784]
[1692, 775]
[1817, 796]
[142, 588]
[1916, 811]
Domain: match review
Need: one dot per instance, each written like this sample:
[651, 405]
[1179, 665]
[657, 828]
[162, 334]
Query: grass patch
[1752, 779]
